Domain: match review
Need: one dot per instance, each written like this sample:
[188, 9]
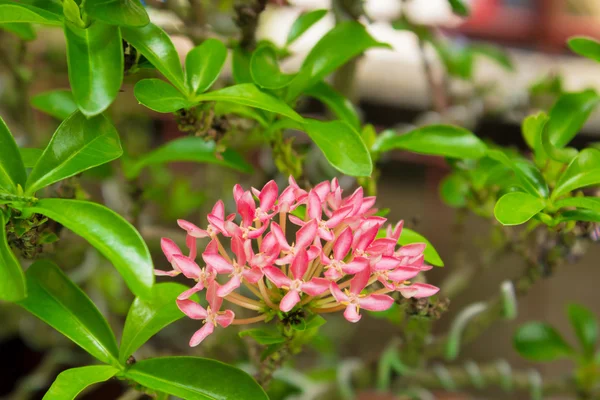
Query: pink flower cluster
[336, 255]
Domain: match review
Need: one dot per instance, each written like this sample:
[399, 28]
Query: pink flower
[211, 315]
[315, 210]
[304, 237]
[335, 265]
[170, 249]
[416, 290]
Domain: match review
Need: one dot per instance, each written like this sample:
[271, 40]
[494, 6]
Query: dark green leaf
[23, 30]
[12, 170]
[146, 317]
[459, 7]
[586, 47]
[583, 171]
[568, 115]
[54, 299]
[579, 215]
[30, 156]
[241, 66]
[12, 12]
[538, 341]
[530, 177]
[70, 383]
[409, 236]
[107, 231]
[585, 324]
[57, 103]
[441, 140]
[12, 280]
[516, 208]
[338, 104]
[303, 23]
[160, 96]
[195, 378]
[117, 12]
[203, 65]
[95, 58]
[157, 47]
[263, 336]
[454, 190]
[191, 149]
[77, 145]
[265, 70]
[589, 203]
[457, 59]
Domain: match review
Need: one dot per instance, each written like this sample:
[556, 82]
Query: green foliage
[57, 103]
[339, 105]
[263, 336]
[583, 171]
[117, 12]
[586, 47]
[265, 71]
[303, 23]
[585, 325]
[160, 96]
[459, 7]
[70, 383]
[203, 65]
[13, 12]
[409, 236]
[538, 341]
[517, 207]
[12, 280]
[12, 170]
[568, 115]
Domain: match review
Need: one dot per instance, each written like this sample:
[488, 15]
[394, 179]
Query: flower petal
[252, 275]
[402, 274]
[192, 309]
[238, 192]
[218, 210]
[237, 246]
[315, 286]
[376, 302]
[190, 242]
[337, 293]
[342, 244]
[213, 297]
[169, 248]
[306, 234]
[246, 208]
[322, 190]
[300, 264]
[192, 229]
[351, 313]
[268, 195]
[188, 293]
[279, 236]
[278, 278]
[160, 272]
[230, 286]
[411, 250]
[226, 318]
[315, 207]
[289, 301]
[201, 334]
[360, 280]
[386, 263]
[218, 263]
[356, 266]
[189, 267]
[424, 290]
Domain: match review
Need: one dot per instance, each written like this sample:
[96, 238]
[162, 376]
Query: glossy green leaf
[263, 336]
[12, 280]
[532, 129]
[191, 149]
[303, 23]
[193, 378]
[72, 13]
[568, 115]
[154, 44]
[409, 236]
[13, 12]
[583, 171]
[224, 108]
[240, 66]
[440, 140]
[265, 71]
[341, 44]
[146, 317]
[538, 341]
[77, 145]
[585, 46]
[160, 96]
[579, 215]
[589, 203]
[530, 178]
[57, 301]
[454, 190]
[95, 58]
[249, 95]
[70, 383]
[516, 208]
[459, 7]
[30, 156]
[203, 65]
[57, 103]
[107, 231]
[337, 104]
[12, 170]
[23, 30]
[585, 325]
[117, 12]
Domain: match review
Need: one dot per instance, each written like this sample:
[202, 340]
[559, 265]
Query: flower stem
[265, 294]
[328, 310]
[222, 250]
[248, 321]
[243, 301]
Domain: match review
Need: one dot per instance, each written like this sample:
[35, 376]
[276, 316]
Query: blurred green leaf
[494, 53]
[23, 30]
[30, 156]
[530, 177]
[339, 105]
[585, 46]
[12, 170]
[454, 190]
[538, 341]
[459, 7]
[569, 114]
[585, 324]
[57, 103]
[223, 108]
[517, 208]
[263, 336]
[13, 12]
[241, 66]
[70, 383]
[409, 236]
[12, 280]
[265, 71]
[589, 203]
[303, 23]
[203, 65]
[117, 12]
[579, 215]
[160, 96]
[583, 171]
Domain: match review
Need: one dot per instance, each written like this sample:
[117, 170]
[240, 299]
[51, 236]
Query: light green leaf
[12, 280]
[117, 12]
[532, 129]
[441, 140]
[30, 156]
[224, 108]
[95, 59]
[530, 177]
[179, 376]
[459, 7]
[157, 47]
[203, 65]
[568, 115]
[583, 171]
[538, 341]
[23, 30]
[338, 104]
[585, 46]
[516, 208]
[589, 203]
[579, 215]
[13, 12]
[107, 231]
[585, 324]
[146, 317]
[409, 236]
[12, 170]
[303, 23]
[57, 103]
[241, 66]
[191, 149]
[77, 145]
[57, 301]
[454, 190]
[263, 336]
[160, 96]
[249, 95]
[265, 70]
[70, 383]
[494, 53]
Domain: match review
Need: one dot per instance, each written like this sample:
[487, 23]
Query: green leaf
[241, 66]
[494, 53]
[77, 145]
[95, 58]
[341, 44]
[409, 236]
[146, 317]
[107, 231]
[440, 140]
[157, 47]
[516, 208]
[265, 70]
[12, 170]
[12, 12]
[117, 12]
[303, 23]
[160, 96]
[454, 190]
[203, 65]
[224, 108]
[532, 129]
[23, 30]
[57, 301]
[249, 95]
[585, 324]
[583, 171]
[530, 177]
[30, 156]
[459, 7]
[72, 13]
[263, 336]
[337, 104]
[579, 215]
[538, 341]
[195, 378]
[589, 203]
[585, 46]
[12, 280]
[191, 149]
[57, 103]
[70, 383]
[568, 115]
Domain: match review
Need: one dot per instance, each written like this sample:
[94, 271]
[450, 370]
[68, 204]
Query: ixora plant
[287, 260]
